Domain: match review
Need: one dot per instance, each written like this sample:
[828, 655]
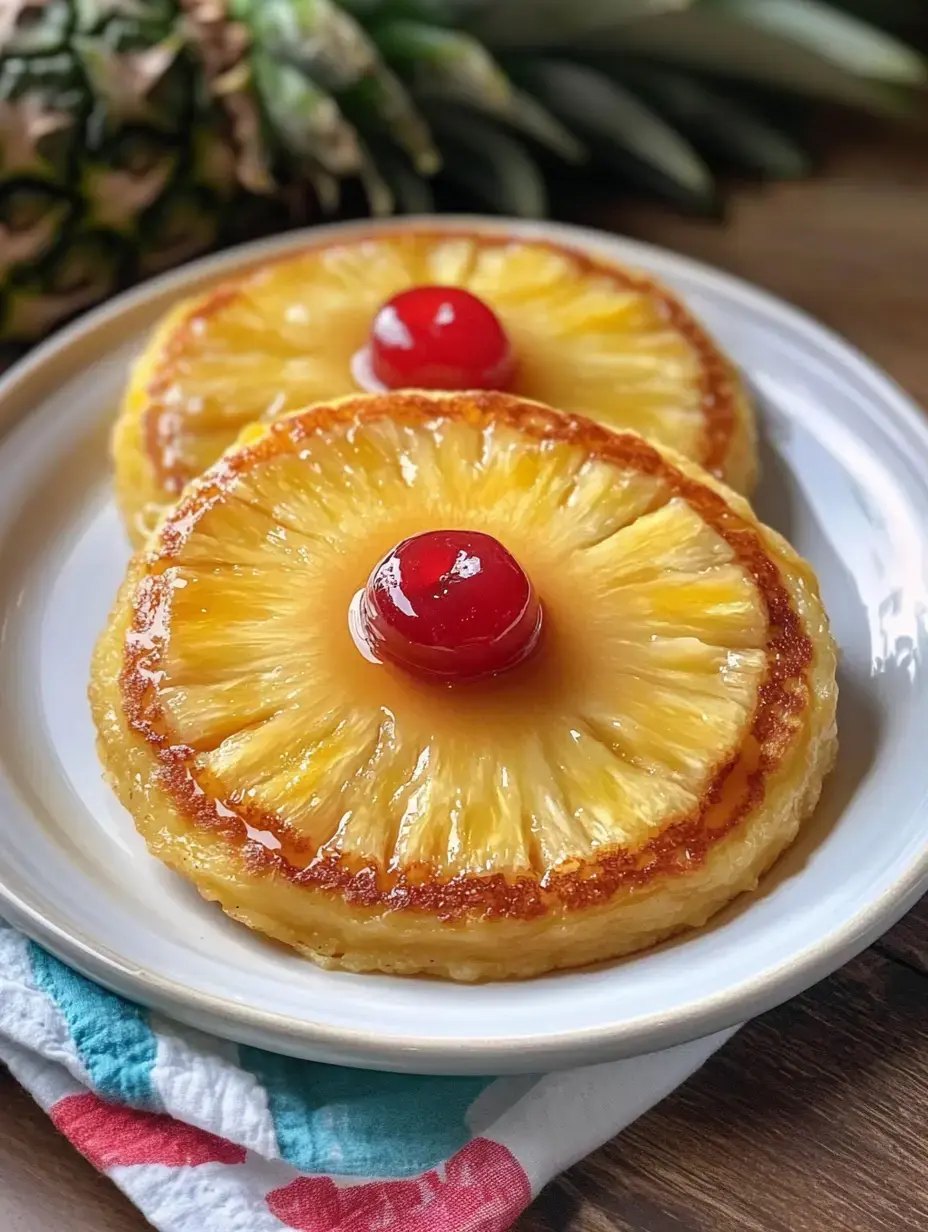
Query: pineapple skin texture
[337, 934]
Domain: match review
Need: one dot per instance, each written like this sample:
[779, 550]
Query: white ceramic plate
[845, 478]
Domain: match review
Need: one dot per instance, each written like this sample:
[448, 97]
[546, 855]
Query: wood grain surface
[815, 1117]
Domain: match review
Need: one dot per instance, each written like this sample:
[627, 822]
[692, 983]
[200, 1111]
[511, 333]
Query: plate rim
[285, 1032]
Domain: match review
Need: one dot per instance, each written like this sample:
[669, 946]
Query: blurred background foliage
[135, 134]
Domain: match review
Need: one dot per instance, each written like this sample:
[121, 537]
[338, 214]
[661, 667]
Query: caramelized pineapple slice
[589, 338]
[684, 668]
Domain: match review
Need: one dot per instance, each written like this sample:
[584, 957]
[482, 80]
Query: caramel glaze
[684, 845]
[164, 423]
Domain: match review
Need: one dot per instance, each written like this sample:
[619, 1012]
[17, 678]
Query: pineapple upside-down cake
[531, 317]
[454, 684]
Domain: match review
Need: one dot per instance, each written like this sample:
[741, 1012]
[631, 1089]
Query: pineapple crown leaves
[447, 66]
[333, 53]
[316, 35]
[444, 62]
[155, 127]
[491, 165]
[524, 24]
[841, 38]
[254, 63]
[380, 104]
[308, 119]
[317, 90]
[577, 98]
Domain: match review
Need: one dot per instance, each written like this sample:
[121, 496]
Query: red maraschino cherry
[440, 338]
[451, 605]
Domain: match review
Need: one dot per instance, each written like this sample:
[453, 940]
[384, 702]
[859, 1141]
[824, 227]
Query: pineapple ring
[646, 766]
[590, 337]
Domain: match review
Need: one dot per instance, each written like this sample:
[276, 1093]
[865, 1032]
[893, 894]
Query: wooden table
[815, 1117]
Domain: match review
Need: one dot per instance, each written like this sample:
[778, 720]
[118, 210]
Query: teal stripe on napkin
[358, 1123]
[112, 1036]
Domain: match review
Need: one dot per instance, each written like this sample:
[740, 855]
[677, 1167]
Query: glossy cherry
[452, 605]
[440, 338]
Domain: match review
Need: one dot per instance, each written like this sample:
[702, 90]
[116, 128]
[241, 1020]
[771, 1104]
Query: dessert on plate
[454, 684]
[538, 320]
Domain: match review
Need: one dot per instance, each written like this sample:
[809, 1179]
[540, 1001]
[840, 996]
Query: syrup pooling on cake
[643, 767]
[448, 605]
[649, 675]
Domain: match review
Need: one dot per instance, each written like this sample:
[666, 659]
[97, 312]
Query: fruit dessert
[400, 309]
[454, 684]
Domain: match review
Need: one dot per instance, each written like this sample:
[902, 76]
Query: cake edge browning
[321, 916]
[142, 437]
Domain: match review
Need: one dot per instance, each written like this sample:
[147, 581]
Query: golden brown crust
[162, 423]
[681, 848]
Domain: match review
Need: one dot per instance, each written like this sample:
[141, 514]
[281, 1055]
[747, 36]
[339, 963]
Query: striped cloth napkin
[208, 1136]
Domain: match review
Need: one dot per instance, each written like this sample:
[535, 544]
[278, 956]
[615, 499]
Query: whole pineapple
[137, 133]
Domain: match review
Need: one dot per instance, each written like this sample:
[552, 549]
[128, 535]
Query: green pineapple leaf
[621, 128]
[322, 40]
[306, 117]
[315, 35]
[720, 42]
[433, 12]
[530, 24]
[491, 165]
[717, 125]
[445, 66]
[445, 62]
[845, 41]
[379, 194]
[526, 113]
[327, 187]
[412, 193]
[380, 103]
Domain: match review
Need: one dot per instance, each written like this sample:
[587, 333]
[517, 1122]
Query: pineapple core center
[450, 605]
[440, 338]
